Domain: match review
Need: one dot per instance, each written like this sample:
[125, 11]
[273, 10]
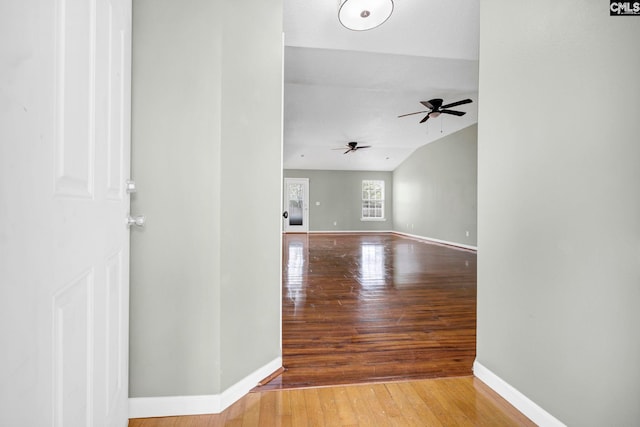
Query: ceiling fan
[352, 146]
[435, 108]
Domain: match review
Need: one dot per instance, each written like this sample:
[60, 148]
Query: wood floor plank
[235, 413]
[315, 415]
[299, 415]
[329, 406]
[434, 395]
[377, 411]
[380, 397]
[251, 414]
[472, 409]
[497, 404]
[283, 409]
[346, 413]
[361, 407]
[415, 411]
[267, 410]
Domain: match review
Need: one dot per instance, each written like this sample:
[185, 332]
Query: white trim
[281, 188]
[521, 402]
[349, 231]
[444, 242]
[242, 387]
[413, 236]
[147, 407]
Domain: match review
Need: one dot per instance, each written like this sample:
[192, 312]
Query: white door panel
[64, 254]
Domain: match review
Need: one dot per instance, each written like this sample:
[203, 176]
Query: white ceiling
[343, 85]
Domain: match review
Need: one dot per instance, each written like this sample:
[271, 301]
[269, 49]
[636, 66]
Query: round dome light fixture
[361, 15]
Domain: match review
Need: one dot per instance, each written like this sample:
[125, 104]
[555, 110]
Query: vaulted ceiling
[343, 85]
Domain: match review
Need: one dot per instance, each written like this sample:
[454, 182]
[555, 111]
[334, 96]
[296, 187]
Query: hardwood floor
[462, 401]
[360, 308]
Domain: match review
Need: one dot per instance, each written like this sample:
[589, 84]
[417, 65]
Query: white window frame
[368, 201]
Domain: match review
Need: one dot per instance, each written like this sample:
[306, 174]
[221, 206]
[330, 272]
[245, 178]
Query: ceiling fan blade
[348, 151]
[453, 104]
[455, 113]
[427, 104]
[434, 103]
[411, 114]
[363, 146]
[425, 119]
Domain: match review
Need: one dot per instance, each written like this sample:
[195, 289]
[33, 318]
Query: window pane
[373, 199]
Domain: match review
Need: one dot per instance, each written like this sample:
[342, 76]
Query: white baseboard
[242, 387]
[443, 242]
[414, 236]
[349, 231]
[521, 402]
[148, 407]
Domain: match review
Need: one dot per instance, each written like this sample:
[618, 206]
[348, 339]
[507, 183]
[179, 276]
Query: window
[372, 200]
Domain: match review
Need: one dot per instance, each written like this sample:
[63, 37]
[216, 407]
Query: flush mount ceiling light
[360, 15]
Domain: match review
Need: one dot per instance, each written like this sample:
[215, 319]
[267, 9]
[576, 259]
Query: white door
[296, 205]
[64, 251]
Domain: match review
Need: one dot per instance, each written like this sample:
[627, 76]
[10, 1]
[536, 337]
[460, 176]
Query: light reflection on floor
[372, 265]
[296, 270]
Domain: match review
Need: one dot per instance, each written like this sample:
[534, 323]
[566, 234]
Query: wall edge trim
[413, 236]
[433, 240]
[164, 406]
[349, 231]
[521, 402]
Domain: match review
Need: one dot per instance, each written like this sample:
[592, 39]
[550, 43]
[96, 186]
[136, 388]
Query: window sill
[373, 219]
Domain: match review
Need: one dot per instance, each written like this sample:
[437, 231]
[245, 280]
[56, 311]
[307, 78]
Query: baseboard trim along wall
[350, 232]
[413, 236]
[521, 402]
[165, 406]
[442, 242]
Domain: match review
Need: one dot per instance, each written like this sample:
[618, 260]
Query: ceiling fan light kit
[361, 15]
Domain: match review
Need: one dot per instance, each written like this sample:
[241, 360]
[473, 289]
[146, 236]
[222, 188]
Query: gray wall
[559, 207]
[435, 189]
[200, 320]
[340, 197]
[251, 173]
